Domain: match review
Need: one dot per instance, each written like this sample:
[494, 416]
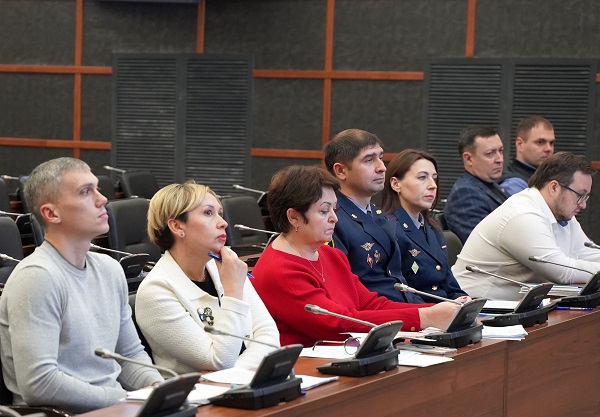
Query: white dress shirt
[502, 243]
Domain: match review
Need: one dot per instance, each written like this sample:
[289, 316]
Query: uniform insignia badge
[378, 211]
[369, 261]
[377, 256]
[434, 287]
[414, 252]
[414, 267]
[367, 246]
[354, 216]
[405, 225]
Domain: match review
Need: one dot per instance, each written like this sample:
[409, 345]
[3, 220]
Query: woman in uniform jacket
[410, 191]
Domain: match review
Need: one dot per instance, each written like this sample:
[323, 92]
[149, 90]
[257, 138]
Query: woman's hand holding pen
[232, 271]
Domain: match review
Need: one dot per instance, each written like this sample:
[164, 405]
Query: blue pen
[574, 308]
[218, 258]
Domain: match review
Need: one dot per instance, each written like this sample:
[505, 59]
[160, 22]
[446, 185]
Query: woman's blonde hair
[174, 201]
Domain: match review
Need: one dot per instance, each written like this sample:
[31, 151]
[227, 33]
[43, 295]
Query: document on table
[516, 332]
[198, 396]
[408, 358]
[238, 376]
[325, 351]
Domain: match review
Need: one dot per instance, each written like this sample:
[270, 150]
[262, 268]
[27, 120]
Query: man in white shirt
[539, 221]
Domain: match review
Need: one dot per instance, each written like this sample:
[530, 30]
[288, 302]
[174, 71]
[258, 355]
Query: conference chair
[127, 219]
[454, 246]
[106, 187]
[10, 244]
[138, 184]
[21, 192]
[4, 197]
[243, 210]
[132, 295]
[30, 229]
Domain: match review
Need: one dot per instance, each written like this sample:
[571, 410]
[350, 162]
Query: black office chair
[30, 229]
[138, 184]
[4, 197]
[127, 219]
[243, 210]
[21, 192]
[10, 245]
[438, 216]
[106, 186]
[147, 348]
[454, 246]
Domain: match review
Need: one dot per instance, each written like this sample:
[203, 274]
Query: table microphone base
[249, 398]
[370, 365]
[582, 301]
[526, 319]
[455, 339]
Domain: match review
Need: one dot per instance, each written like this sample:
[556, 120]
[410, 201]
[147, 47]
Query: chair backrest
[139, 184]
[454, 246]
[30, 229]
[438, 216]
[147, 348]
[11, 245]
[243, 210]
[4, 197]
[106, 186]
[127, 219]
[21, 193]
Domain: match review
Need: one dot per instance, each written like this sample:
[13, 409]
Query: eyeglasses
[581, 198]
[350, 345]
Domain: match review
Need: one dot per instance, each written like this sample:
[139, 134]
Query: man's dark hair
[346, 145]
[560, 167]
[466, 140]
[528, 123]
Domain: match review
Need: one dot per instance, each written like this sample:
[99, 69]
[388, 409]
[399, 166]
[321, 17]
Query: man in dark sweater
[534, 144]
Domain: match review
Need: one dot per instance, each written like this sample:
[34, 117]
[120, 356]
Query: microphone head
[472, 268]
[209, 329]
[590, 245]
[103, 353]
[535, 258]
[400, 287]
[240, 226]
[313, 308]
[236, 186]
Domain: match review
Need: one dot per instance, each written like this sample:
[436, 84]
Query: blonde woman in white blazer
[188, 290]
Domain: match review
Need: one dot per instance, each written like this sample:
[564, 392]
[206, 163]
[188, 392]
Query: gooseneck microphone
[473, 268]
[109, 168]
[242, 227]
[252, 190]
[405, 288]
[544, 261]
[120, 252]
[212, 330]
[6, 257]
[318, 310]
[591, 245]
[107, 354]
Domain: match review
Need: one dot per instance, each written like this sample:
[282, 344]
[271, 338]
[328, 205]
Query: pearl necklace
[322, 273]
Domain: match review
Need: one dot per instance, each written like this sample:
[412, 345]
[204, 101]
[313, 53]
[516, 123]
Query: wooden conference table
[553, 372]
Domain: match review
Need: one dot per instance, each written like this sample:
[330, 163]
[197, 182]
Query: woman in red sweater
[298, 269]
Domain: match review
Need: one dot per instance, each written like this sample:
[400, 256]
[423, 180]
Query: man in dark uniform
[362, 232]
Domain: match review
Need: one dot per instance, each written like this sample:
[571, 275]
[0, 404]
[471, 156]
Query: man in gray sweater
[63, 302]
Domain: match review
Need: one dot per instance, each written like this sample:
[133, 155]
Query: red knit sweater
[286, 283]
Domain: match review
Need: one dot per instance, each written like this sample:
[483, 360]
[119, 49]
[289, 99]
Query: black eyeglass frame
[581, 198]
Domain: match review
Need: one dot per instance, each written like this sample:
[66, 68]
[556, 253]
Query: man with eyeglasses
[539, 221]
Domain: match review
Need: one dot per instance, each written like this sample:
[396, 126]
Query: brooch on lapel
[206, 316]
[377, 256]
